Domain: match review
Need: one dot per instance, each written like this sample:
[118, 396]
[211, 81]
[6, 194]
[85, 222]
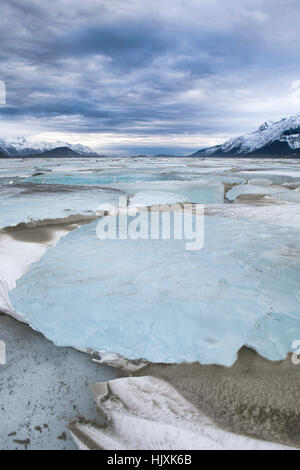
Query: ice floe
[153, 299]
[39, 203]
[277, 193]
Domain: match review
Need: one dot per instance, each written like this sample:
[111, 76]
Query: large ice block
[202, 191]
[154, 299]
[24, 204]
[276, 193]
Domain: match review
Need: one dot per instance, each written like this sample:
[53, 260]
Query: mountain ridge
[20, 147]
[281, 138]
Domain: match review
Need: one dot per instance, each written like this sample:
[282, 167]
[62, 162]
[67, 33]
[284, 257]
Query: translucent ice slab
[150, 198]
[276, 193]
[154, 299]
[16, 168]
[283, 215]
[276, 177]
[90, 178]
[19, 205]
[209, 190]
[202, 191]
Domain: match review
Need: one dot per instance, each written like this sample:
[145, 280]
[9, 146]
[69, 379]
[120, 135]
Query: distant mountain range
[272, 139]
[277, 139]
[20, 147]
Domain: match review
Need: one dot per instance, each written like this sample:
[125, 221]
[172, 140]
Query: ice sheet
[39, 203]
[150, 198]
[199, 191]
[154, 299]
[276, 193]
[286, 215]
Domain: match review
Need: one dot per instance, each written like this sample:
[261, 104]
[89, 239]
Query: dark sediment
[255, 397]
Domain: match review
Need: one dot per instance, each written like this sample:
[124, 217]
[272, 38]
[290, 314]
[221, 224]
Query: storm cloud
[167, 76]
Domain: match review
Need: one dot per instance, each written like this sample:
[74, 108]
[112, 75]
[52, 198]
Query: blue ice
[153, 299]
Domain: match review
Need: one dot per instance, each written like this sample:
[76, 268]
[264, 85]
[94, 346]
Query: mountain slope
[21, 147]
[280, 138]
[60, 152]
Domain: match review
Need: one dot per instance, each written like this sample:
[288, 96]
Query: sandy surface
[256, 397]
[42, 387]
[45, 231]
[253, 405]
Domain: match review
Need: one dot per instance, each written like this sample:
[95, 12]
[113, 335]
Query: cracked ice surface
[27, 204]
[154, 299]
[276, 193]
[157, 300]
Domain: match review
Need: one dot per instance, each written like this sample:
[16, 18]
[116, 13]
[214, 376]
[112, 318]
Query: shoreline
[50, 385]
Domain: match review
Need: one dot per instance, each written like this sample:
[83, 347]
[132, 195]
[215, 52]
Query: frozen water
[86, 178]
[16, 168]
[286, 215]
[33, 203]
[201, 191]
[156, 300]
[22, 201]
[277, 193]
[151, 198]
[177, 305]
[260, 182]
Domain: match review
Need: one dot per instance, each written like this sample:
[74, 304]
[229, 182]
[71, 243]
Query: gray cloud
[167, 68]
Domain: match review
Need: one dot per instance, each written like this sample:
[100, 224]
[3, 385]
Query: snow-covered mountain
[21, 147]
[280, 138]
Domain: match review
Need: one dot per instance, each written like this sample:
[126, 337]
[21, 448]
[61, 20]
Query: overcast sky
[140, 76]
